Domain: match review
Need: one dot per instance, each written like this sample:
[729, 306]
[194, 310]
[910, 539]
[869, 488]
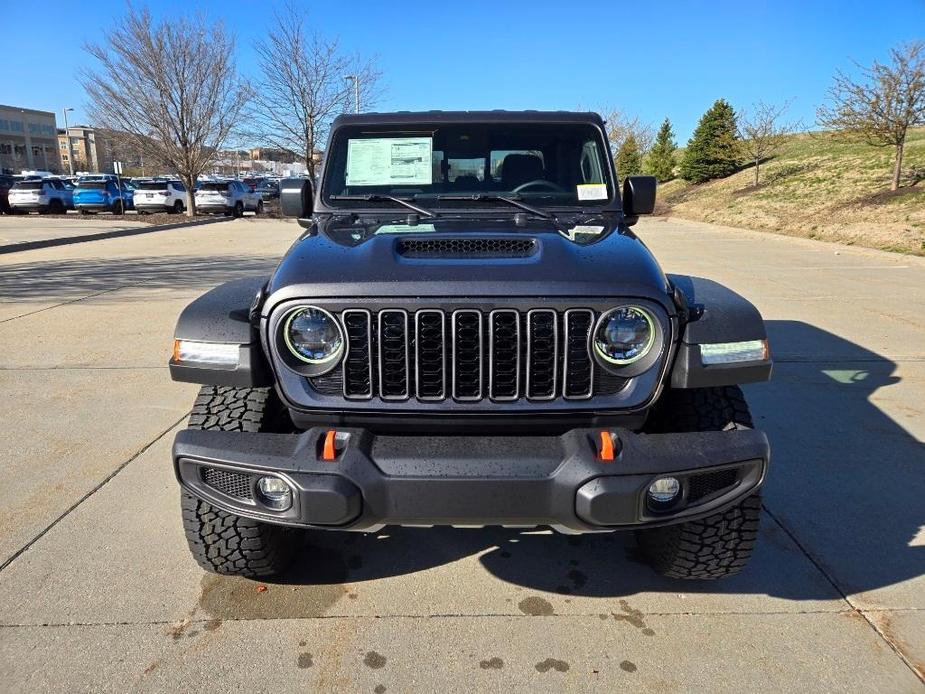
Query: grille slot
[701, 486]
[542, 354]
[358, 366]
[467, 355]
[393, 355]
[504, 355]
[467, 248]
[578, 381]
[430, 355]
[235, 484]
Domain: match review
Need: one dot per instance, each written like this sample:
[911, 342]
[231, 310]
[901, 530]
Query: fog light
[274, 493]
[664, 490]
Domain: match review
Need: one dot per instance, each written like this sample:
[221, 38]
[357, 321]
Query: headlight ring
[627, 339]
[313, 340]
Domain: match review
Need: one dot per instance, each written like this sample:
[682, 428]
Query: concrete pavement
[97, 591]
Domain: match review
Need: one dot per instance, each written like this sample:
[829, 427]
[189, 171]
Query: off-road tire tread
[720, 544]
[713, 547]
[222, 542]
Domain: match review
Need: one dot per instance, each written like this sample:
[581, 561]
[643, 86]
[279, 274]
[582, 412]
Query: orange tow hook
[607, 450]
[329, 451]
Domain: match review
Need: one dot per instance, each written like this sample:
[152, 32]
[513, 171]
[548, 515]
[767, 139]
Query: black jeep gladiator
[466, 333]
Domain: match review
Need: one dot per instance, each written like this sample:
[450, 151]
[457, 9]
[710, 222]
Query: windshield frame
[326, 198]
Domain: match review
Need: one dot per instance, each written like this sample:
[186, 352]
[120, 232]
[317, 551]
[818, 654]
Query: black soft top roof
[411, 117]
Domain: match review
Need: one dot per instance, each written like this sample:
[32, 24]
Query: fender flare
[716, 314]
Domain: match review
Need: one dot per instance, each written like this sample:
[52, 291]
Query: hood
[345, 257]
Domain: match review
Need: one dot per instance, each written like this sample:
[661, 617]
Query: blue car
[102, 194]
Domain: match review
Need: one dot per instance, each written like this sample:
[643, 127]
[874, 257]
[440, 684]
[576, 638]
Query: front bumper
[93, 206]
[560, 481]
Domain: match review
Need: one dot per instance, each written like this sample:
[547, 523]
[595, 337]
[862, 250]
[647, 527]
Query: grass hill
[816, 187]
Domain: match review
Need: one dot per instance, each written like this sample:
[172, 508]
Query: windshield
[544, 164]
[98, 185]
[27, 185]
[153, 185]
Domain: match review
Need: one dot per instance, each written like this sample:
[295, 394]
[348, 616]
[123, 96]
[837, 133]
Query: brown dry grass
[819, 188]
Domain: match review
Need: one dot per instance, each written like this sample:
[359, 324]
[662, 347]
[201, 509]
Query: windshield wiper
[516, 202]
[377, 197]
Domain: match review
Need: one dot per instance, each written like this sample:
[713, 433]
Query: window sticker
[592, 191]
[386, 161]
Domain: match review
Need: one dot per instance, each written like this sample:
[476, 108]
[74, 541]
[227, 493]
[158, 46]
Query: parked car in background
[268, 190]
[160, 196]
[100, 194]
[253, 182]
[6, 182]
[40, 195]
[228, 197]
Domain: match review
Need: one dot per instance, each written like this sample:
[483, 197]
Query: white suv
[41, 195]
[160, 196]
[229, 197]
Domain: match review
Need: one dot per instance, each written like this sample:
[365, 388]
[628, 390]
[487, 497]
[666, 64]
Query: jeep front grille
[467, 355]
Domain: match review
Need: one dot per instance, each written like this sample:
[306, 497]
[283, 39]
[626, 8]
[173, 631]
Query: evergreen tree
[661, 160]
[713, 151]
[629, 158]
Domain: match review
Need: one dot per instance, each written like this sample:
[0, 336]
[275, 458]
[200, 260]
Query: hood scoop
[466, 247]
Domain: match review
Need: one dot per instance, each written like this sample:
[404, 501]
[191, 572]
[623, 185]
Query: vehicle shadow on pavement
[843, 501]
[65, 279]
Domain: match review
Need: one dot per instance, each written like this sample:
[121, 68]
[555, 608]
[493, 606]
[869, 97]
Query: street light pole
[356, 91]
[67, 137]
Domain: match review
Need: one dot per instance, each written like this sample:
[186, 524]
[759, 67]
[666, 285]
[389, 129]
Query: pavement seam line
[65, 303]
[495, 615]
[857, 610]
[18, 553]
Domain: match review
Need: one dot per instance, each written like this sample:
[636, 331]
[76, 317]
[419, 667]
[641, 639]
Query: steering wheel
[549, 185]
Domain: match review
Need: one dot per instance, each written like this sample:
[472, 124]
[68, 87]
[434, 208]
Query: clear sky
[650, 59]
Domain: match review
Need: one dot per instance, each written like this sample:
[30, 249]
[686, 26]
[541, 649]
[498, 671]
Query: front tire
[721, 544]
[238, 210]
[222, 542]
[177, 207]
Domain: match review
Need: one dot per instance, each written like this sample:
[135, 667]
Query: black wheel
[238, 210]
[259, 208]
[222, 542]
[177, 207]
[118, 207]
[719, 545]
[57, 207]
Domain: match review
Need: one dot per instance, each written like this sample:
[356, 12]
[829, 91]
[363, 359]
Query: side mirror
[296, 197]
[638, 197]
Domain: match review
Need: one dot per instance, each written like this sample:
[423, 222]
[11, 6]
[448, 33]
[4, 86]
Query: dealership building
[28, 140]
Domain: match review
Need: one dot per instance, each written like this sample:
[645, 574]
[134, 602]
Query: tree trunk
[757, 162]
[190, 185]
[897, 166]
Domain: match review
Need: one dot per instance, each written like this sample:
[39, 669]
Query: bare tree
[761, 132]
[307, 81]
[621, 125]
[185, 97]
[882, 104]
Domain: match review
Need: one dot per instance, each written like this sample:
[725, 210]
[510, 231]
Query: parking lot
[98, 592]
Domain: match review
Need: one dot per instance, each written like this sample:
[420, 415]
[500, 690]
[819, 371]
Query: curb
[117, 233]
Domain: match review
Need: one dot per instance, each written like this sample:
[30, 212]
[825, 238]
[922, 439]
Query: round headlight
[624, 335]
[313, 335]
